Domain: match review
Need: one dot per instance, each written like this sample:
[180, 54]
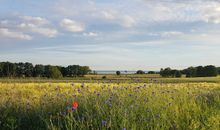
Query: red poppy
[74, 105]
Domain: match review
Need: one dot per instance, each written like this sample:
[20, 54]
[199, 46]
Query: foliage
[8, 69]
[53, 72]
[151, 72]
[199, 71]
[140, 72]
[218, 69]
[118, 72]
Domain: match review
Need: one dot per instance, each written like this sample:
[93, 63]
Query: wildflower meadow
[110, 106]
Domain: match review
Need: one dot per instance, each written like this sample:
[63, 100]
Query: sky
[111, 34]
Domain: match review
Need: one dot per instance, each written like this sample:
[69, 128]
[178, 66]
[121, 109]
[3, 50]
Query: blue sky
[111, 35]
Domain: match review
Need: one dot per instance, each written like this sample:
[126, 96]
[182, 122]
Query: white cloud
[108, 14]
[35, 20]
[212, 14]
[72, 26]
[5, 33]
[90, 34]
[171, 33]
[179, 11]
[127, 21]
[48, 32]
[29, 25]
[166, 34]
[116, 17]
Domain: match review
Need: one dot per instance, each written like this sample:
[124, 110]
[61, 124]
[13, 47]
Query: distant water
[114, 71]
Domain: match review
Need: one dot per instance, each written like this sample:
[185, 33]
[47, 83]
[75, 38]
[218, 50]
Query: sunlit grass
[110, 106]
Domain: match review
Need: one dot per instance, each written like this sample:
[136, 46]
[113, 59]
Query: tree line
[8, 69]
[199, 71]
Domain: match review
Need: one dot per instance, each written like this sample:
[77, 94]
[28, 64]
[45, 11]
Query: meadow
[109, 105]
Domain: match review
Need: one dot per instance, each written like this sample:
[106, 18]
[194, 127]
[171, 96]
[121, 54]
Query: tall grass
[116, 106]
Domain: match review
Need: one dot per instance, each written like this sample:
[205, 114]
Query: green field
[112, 78]
[126, 102]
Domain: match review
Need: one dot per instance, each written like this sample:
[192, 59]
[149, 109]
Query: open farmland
[121, 106]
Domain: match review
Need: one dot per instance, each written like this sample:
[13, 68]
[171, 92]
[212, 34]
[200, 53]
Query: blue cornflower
[104, 122]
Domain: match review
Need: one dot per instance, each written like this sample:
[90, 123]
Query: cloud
[90, 34]
[171, 33]
[35, 20]
[5, 33]
[212, 14]
[127, 21]
[72, 26]
[48, 32]
[166, 34]
[116, 17]
[108, 14]
[30, 25]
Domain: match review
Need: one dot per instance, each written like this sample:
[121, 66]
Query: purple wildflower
[104, 122]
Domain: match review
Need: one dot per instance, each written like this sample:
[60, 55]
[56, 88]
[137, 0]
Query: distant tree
[20, 69]
[218, 70]
[200, 71]
[73, 70]
[64, 71]
[151, 72]
[165, 72]
[38, 71]
[210, 71]
[140, 72]
[28, 68]
[76, 70]
[53, 72]
[178, 74]
[190, 72]
[118, 72]
[1, 69]
[84, 70]
[8, 69]
[172, 73]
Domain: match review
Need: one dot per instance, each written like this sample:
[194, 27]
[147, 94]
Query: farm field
[104, 105]
[112, 78]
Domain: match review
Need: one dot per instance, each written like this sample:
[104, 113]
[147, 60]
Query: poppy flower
[74, 105]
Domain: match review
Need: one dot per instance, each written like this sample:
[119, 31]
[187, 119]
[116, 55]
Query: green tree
[64, 71]
[118, 72]
[73, 70]
[53, 72]
[1, 69]
[172, 73]
[140, 72]
[84, 70]
[9, 69]
[210, 71]
[218, 70]
[39, 70]
[165, 72]
[151, 72]
[190, 72]
[28, 68]
[178, 74]
[20, 69]
[200, 71]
